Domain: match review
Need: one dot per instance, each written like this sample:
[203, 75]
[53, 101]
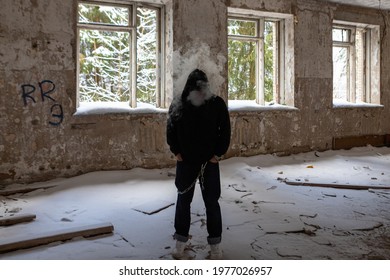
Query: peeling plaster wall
[36, 54]
[41, 138]
[200, 42]
[313, 68]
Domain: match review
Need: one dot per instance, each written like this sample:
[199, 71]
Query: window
[119, 49]
[355, 63]
[257, 58]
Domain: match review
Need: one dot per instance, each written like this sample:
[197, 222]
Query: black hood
[192, 83]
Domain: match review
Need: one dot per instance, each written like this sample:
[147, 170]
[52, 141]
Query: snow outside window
[118, 54]
[355, 64]
[256, 59]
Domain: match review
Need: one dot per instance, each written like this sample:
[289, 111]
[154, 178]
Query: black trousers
[209, 178]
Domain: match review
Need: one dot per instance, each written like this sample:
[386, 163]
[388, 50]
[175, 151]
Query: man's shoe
[178, 252]
[215, 252]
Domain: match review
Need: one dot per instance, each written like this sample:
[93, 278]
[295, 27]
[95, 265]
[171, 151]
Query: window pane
[360, 65]
[340, 73]
[242, 70]
[242, 27]
[104, 66]
[269, 60]
[89, 13]
[147, 48]
[341, 35]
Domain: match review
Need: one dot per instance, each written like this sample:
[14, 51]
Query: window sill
[105, 108]
[342, 104]
[251, 106]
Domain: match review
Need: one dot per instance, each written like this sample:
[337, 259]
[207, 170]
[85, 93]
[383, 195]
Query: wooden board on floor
[153, 207]
[24, 242]
[283, 227]
[17, 219]
[21, 189]
[334, 185]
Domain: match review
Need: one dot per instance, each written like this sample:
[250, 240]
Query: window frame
[279, 86]
[131, 28]
[360, 76]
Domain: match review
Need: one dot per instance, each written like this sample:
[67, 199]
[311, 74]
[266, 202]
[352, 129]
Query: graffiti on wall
[45, 91]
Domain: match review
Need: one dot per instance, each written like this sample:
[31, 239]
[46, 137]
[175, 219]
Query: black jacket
[198, 132]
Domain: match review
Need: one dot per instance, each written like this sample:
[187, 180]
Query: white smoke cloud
[198, 56]
[199, 97]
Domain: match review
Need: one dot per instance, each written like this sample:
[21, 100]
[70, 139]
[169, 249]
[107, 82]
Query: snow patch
[101, 108]
[341, 103]
[251, 105]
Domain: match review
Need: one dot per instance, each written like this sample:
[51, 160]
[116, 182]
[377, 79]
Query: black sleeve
[224, 128]
[172, 133]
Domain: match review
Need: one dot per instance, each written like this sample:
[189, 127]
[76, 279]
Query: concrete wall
[38, 55]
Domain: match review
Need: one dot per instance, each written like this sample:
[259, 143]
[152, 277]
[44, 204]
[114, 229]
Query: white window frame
[283, 89]
[363, 79]
[132, 29]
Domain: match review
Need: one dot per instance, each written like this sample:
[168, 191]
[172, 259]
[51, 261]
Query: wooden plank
[283, 227]
[24, 242]
[17, 219]
[22, 189]
[153, 207]
[334, 185]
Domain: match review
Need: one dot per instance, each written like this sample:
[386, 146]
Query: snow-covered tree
[105, 54]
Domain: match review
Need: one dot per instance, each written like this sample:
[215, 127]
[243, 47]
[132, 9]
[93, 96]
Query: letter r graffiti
[45, 91]
[26, 91]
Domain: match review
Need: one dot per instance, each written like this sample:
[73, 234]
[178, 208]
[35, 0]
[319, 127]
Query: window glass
[89, 13]
[355, 59]
[242, 70]
[341, 35]
[340, 73]
[253, 60]
[269, 61]
[242, 27]
[104, 64]
[119, 54]
[147, 55]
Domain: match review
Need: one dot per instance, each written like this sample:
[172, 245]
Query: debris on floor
[263, 217]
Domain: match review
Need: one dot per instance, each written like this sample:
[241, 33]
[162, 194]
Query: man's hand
[214, 159]
[178, 157]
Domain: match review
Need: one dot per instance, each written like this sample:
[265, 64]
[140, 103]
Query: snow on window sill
[251, 105]
[340, 103]
[103, 108]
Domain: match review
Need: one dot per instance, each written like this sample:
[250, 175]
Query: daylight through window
[118, 55]
[355, 63]
[255, 47]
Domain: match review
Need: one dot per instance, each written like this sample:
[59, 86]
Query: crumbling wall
[42, 137]
[200, 41]
[37, 83]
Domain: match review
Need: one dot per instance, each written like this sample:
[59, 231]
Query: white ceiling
[376, 4]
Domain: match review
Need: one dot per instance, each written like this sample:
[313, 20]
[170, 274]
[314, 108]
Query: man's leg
[183, 215]
[211, 193]
[186, 175]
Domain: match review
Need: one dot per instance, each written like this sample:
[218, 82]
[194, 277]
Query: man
[198, 134]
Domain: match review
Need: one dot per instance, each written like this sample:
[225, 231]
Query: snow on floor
[263, 218]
